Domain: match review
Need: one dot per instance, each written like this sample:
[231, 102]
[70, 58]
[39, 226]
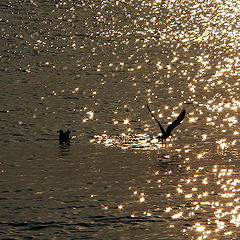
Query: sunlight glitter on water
[128, 141]
[93, 66]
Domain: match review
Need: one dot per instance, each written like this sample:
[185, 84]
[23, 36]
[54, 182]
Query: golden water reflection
[199, 196]
[207, 201]
[103, 61]
[128, 141]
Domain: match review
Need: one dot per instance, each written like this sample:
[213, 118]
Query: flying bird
[175, 123]
[64, 136]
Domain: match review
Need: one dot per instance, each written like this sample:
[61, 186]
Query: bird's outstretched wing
[67, 134]
[176, 122]
[159, 124]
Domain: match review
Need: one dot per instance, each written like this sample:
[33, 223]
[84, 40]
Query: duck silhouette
[64, 136]
[166, 133]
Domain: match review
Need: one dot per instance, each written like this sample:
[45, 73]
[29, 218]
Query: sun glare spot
[177, 215]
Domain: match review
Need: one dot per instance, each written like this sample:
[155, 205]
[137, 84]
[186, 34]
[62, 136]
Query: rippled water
[92, 66]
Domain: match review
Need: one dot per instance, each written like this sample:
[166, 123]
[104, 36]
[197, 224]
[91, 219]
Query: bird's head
[60, 131]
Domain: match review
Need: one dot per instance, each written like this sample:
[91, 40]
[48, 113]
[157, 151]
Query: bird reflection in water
[64, 148]
[174, 124]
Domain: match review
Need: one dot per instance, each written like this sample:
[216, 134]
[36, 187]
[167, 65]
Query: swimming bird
[175, 123]
[64, 136]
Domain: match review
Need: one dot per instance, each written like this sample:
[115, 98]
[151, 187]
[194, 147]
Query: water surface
[92, 66]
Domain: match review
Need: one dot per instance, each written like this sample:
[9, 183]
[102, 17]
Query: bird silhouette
[64, 136]
[175, 123]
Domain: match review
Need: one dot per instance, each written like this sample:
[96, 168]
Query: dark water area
[91, 67]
